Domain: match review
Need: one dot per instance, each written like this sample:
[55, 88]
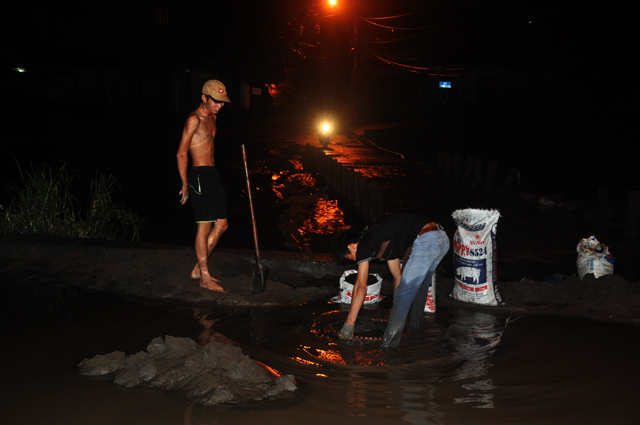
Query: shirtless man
[203, 183]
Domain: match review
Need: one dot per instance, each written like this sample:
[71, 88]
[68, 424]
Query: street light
[332, 2]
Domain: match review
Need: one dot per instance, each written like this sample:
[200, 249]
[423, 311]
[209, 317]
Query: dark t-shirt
[391, 238]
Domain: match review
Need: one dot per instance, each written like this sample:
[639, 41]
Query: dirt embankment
[609, 298]
[161, 272]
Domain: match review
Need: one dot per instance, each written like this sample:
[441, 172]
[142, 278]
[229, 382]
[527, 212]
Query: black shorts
[207, 194]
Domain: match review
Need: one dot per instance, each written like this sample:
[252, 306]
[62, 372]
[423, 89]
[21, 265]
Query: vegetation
[44, 204]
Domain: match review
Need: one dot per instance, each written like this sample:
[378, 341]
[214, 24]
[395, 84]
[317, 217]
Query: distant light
[20, 70]
[445, 84]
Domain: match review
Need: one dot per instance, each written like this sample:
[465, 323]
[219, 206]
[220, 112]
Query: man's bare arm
[359, 292]
[396, 272]
[190, 128]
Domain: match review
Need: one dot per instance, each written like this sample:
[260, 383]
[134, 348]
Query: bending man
[203, 184]
[421, 242]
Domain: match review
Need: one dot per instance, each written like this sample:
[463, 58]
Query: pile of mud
[215, 374]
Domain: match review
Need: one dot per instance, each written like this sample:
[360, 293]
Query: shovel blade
[259, 279]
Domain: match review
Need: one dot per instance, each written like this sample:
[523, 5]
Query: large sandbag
[474, 256]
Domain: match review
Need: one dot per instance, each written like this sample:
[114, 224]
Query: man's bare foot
[210, 284]
[195, 274]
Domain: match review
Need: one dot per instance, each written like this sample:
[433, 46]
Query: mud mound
[215, 374]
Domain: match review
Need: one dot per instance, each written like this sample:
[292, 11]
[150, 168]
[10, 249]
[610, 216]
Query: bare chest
[207, 128]
[205, 133]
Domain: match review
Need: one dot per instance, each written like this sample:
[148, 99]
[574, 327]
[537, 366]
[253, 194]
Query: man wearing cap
[203, 183]
[420, 242]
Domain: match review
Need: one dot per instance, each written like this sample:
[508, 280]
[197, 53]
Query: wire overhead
[466, 40]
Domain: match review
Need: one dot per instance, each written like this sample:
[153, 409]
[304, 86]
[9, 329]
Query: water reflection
[308, 217]
[326, 218]
[406, 391]
[475, 336]
[208, 334]
[284, 184]
[418, 399]
[331, 355]
[356, 397]
[340, 353]
[410, 398]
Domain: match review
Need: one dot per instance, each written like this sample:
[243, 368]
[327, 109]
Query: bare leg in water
[207, 237]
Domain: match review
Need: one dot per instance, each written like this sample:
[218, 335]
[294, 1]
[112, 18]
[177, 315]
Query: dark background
[546, 87]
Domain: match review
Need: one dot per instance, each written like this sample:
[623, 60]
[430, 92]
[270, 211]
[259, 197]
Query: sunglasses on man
[214, 100]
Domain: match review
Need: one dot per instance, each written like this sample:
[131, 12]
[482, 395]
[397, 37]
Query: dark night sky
[245, 36]
[75, 30]
[261, 41]
[257, 40]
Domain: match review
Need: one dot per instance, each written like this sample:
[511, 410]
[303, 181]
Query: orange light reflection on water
[326, 218]
[297, 164]
[304, 361]
[332, 356]
[361, 356]
[280, 184]
[269, 369]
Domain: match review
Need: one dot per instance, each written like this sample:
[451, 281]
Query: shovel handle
[253, 216]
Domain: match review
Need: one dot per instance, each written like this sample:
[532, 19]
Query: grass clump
[107, 220]
[45, 205]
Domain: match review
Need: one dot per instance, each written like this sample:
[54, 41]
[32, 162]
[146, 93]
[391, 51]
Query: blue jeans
[410, 296]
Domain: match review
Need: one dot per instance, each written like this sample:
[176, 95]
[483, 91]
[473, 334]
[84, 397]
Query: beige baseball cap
[216, 90]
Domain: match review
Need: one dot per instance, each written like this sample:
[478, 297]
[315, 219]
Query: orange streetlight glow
[332, 2]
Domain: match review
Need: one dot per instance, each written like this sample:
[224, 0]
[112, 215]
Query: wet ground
[463, 367]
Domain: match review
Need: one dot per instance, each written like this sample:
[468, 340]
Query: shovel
[259, 278]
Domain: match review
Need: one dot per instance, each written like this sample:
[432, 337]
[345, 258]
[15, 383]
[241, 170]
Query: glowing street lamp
[332, 2]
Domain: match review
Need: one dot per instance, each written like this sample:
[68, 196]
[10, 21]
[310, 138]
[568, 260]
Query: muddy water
[462, 367]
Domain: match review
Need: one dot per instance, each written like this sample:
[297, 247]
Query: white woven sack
[593, 257]
[346, 289]
[474, 256]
